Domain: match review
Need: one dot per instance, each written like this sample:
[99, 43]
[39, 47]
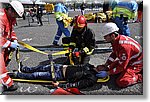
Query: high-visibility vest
[62, 11]
[127, 9]
[67, 20]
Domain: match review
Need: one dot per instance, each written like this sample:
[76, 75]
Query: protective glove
[102, 74]
[14, 45]
[16, 41]
[86, 50]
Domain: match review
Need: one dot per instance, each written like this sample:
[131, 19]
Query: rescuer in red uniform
[126, 58]
[8, 40]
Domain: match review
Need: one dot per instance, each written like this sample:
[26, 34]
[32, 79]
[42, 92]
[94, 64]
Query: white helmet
[109, 28]
[18, 7]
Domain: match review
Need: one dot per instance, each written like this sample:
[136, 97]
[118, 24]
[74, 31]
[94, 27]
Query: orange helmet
[80, 22]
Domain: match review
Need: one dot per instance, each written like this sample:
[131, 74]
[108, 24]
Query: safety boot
[14, 87]
[55, 44]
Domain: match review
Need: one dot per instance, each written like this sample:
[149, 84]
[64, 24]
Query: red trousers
[130, 76]
[4, 77]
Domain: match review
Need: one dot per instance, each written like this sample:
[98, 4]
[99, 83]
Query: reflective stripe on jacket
[126, 52]
[128, 9]
[7, 33]
[83, 39]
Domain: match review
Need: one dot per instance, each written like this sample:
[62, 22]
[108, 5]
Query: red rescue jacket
[126, 52]
[7, 33]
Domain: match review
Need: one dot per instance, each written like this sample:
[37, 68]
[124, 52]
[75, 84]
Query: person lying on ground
[80, 76]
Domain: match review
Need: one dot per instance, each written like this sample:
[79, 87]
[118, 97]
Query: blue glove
[102, 74]
[14, 45]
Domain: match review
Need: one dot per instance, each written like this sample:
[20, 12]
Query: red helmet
[80, 22]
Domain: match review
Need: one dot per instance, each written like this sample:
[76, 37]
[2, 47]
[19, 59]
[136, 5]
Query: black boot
[55, 44]
[11, 88]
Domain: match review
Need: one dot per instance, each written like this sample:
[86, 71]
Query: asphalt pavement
[43, 36]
